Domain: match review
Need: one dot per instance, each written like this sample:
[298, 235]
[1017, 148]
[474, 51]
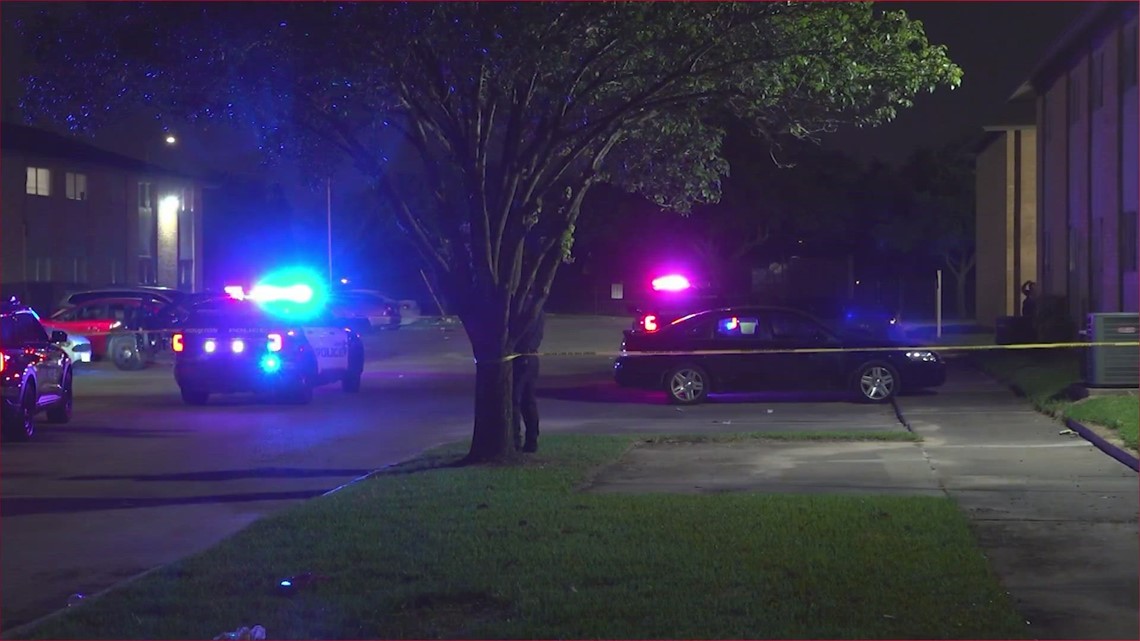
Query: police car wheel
[351, 382]
[299, 394]
[192, 396]
[61, 412]
[19, 424]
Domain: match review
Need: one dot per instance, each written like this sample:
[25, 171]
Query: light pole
[328, 224]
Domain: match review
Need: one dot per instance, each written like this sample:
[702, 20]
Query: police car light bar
[671, 283]
[299, 294]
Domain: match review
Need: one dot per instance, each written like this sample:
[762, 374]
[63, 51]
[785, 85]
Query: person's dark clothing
[525, 369]
[1029, 305]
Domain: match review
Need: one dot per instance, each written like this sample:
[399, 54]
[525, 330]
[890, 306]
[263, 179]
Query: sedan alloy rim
[687, 385]
[877, 383]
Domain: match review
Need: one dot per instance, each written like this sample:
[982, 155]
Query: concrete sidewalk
[1056, 516]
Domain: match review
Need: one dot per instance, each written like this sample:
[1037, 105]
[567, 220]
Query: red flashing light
[176, 343]
[671, 283]
[649, 323]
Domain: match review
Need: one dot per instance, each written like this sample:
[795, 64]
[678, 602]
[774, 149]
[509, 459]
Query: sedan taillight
[176, 343]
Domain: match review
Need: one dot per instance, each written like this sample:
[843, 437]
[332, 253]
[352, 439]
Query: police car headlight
[924, 357]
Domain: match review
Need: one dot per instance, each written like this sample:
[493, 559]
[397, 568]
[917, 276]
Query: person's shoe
[530, 447]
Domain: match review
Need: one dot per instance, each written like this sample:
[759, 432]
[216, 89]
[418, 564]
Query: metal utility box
[1113, 366]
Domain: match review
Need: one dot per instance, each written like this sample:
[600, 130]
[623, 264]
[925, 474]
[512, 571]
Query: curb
[1108, 448]
[899, 415]
[1089, 435]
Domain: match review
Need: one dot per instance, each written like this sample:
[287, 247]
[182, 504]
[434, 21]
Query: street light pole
[328, 223]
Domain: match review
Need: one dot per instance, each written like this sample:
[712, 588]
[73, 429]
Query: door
[808, 369]
[30, 334]
[329, 341]
[742, 367]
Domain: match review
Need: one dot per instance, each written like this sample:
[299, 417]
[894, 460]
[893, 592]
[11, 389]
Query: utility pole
[328, 222]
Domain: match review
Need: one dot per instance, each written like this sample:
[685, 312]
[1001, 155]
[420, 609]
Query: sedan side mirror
[58, 336]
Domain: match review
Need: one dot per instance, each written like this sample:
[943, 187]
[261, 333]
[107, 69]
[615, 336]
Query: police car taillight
[3, 362]
[649, 322]
[275, 342]
[176, 343]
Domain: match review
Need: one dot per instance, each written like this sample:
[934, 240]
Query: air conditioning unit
[1114, 366]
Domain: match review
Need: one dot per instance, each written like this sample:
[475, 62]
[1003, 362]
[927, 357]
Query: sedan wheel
[687, 385]
[877, 382]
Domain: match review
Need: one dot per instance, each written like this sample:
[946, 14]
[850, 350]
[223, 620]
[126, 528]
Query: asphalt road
[138, 479]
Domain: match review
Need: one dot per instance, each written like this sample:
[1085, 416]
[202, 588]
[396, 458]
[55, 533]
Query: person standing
[524, 397]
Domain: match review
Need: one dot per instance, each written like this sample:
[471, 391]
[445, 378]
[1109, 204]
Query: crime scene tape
[830, 350]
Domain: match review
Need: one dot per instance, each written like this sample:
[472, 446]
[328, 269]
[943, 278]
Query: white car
[369, 309]
[78, 348]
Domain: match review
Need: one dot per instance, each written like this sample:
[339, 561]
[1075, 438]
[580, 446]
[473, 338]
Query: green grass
[1119, 413]
[428, 550]
[1047, 377]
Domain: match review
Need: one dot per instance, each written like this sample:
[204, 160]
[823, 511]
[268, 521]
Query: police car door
[329, 340]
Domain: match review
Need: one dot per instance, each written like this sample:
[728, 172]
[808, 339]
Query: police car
[235, 343]
[35, 373]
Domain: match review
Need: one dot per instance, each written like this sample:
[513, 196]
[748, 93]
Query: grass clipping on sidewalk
[429, 551]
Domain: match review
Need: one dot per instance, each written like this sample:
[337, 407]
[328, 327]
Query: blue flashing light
[271, 363]
[294, 293]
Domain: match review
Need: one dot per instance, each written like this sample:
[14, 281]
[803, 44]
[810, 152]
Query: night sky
[997, 44]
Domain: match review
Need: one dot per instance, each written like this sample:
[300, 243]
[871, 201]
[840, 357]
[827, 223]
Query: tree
[512, 112]
[938, 217]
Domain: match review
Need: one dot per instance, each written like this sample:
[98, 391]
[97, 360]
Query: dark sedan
[749, 349]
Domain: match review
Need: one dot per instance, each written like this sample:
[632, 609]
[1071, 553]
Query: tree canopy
[484, 125]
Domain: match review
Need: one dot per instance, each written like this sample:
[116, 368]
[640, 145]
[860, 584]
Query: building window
[1128, 242]
[76, 186]
[147, 274]
[42, 270]
[39, 181]
[80, 270]
[1098, 80]
[1128, 58]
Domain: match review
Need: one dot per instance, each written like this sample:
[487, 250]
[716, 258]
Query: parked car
[723, 350]
[98, 318]
[35, 373]
[234, 346]
[141, 292]
[365, 309]
[78, 348]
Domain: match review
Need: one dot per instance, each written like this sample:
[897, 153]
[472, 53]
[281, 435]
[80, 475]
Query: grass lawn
[1046, 375]
[427, 551]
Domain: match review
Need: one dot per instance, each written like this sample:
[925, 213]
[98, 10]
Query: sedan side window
[747, 327]
[90, 312]
[66, 315]
[787, 326]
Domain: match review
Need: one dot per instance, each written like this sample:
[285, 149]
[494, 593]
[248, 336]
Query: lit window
[76, 186]
[39, 181]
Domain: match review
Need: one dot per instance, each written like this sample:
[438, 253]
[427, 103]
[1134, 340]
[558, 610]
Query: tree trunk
[486, 328]
[494, 411]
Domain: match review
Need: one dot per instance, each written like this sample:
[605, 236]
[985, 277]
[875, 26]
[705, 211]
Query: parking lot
[139, 479]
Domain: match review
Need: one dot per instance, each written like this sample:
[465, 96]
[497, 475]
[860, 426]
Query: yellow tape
[829, 350]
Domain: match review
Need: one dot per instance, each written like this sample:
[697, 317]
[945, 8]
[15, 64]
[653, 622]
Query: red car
[95, 319]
